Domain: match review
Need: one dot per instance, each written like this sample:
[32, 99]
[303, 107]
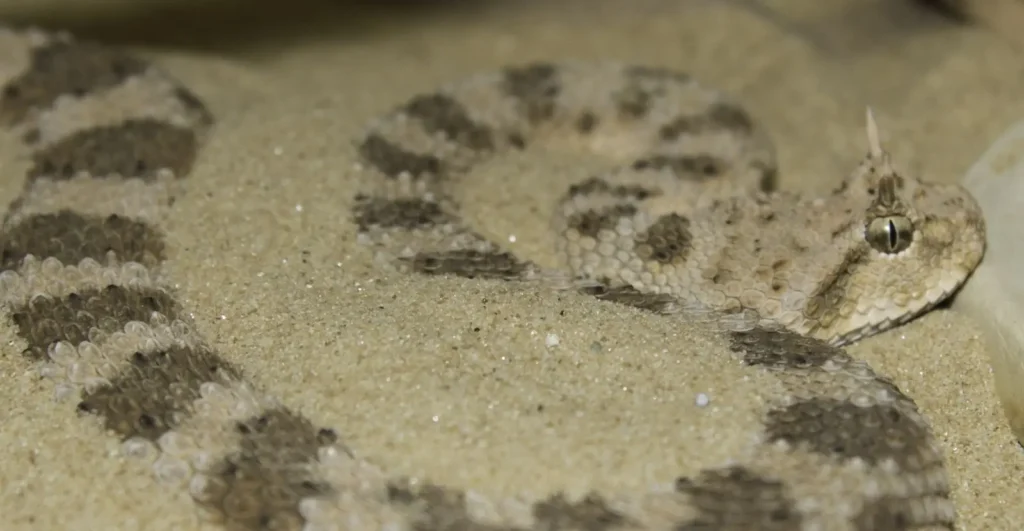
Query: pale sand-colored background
[442, 378]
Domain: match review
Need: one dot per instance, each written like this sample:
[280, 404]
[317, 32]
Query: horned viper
[685, 222]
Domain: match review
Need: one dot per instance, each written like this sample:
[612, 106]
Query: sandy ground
[438, 377]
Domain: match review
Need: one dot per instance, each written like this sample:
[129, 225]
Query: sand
[1003, 16]
[443, 378]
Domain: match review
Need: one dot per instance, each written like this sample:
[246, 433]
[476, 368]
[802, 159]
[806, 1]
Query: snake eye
[890, 234]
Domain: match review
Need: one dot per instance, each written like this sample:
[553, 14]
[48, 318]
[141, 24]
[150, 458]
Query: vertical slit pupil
[893, 237]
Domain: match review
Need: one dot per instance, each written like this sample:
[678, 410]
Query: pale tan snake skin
[688, 225]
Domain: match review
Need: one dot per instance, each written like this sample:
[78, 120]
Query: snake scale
[685, 223]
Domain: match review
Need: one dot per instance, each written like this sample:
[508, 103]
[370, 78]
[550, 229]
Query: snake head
[914, 244]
